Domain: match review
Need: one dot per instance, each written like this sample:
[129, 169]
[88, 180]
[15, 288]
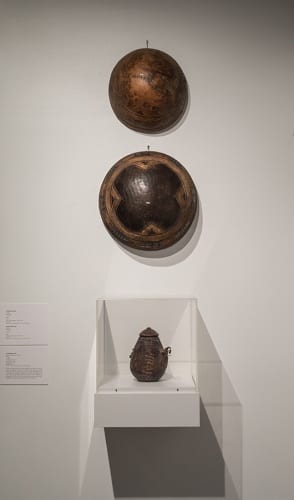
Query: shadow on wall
[166, 462]
[197, 462]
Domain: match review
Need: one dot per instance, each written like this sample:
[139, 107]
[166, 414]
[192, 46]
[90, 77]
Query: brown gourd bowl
[148, 91]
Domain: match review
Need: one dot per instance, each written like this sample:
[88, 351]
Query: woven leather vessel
[149, 359]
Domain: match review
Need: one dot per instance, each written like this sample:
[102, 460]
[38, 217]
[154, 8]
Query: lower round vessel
[148, 201]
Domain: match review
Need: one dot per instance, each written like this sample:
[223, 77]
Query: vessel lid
[148, 332]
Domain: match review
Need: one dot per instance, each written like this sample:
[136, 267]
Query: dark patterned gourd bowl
[149, 359]
[148, 201]
[148, 91]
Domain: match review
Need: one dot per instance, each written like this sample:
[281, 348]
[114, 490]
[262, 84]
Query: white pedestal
[122, 401]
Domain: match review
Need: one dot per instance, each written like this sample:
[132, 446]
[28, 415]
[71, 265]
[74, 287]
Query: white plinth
[122, 401]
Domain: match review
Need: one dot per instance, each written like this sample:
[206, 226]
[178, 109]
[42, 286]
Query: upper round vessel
[148, 91]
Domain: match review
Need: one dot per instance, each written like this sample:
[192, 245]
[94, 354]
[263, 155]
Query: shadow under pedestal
[166, 462]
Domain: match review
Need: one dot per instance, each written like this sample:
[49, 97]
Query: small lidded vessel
[149, 359]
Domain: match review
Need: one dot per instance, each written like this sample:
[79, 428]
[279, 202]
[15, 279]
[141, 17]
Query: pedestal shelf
[122, 401]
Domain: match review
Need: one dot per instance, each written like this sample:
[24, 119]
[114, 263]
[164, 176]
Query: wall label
[24, 343]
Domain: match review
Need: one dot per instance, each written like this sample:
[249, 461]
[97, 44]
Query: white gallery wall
[58, 138]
